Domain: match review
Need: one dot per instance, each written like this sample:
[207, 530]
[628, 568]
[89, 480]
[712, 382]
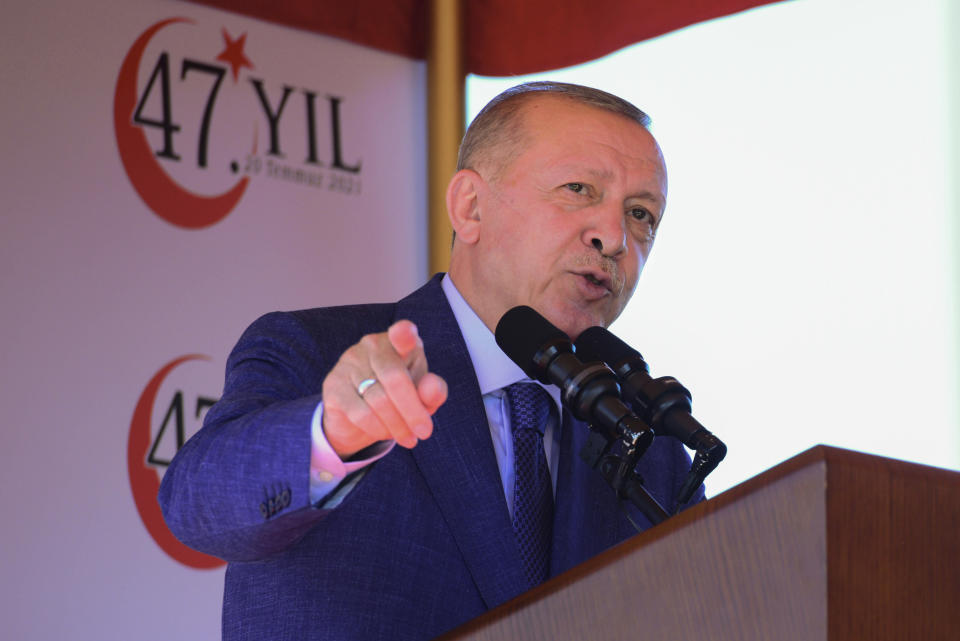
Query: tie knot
[529, 406]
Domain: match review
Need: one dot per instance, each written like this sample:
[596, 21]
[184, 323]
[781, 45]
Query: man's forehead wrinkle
[620, 157]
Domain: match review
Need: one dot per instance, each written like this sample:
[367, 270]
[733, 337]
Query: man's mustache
[608, 266]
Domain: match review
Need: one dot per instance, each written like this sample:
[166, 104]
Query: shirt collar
[494, 369]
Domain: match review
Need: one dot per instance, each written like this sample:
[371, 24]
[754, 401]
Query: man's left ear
[463, 206]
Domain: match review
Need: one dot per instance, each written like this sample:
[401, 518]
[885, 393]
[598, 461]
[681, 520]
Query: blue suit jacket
[422, 543]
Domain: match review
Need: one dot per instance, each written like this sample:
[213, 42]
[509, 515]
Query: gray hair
[498, 127]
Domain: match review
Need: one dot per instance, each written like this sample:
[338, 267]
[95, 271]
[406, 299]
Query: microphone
[589, 390]
[663, 402]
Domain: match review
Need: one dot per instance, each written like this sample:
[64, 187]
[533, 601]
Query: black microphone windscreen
[522, 332]
[598, 343]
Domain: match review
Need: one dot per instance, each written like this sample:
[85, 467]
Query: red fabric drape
[503, 37]
[397, 26]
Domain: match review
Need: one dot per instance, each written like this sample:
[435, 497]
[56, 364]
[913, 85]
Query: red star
[233, 53]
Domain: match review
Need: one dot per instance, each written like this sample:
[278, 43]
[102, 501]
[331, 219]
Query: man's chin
[574, 322]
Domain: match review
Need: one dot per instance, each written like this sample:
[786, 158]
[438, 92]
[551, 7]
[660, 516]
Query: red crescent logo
[166, 198]
[144, 480]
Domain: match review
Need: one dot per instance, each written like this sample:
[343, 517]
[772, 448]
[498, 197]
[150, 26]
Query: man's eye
[640, 213]
[578, 188]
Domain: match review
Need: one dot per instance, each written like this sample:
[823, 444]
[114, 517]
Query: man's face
[567, 226]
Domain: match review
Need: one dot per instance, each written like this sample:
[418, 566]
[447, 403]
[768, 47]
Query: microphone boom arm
[663, 403]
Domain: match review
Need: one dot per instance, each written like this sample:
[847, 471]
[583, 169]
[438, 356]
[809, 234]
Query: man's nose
[606, 231]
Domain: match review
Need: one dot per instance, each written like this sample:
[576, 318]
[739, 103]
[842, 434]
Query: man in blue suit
[358, 471]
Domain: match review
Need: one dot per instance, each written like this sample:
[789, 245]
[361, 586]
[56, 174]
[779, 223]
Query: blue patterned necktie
[533, 489]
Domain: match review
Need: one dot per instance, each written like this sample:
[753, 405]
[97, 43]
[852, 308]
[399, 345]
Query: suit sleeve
[239, 489]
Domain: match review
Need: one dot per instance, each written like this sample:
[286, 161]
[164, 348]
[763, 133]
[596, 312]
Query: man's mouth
[598, 284]
[593, 279]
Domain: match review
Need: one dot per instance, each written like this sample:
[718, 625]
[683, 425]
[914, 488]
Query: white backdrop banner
[170, 172]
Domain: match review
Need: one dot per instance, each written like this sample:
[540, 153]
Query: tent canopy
[502, 37]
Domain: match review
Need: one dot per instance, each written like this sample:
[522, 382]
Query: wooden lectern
[831, 545]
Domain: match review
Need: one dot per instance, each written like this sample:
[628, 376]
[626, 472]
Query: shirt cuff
[327, 470]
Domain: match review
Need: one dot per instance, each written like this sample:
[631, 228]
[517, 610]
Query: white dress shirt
[496, 371]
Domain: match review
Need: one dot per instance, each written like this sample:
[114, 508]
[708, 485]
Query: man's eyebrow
[577, 168]
[600, 173]
[646, 194]
[606, 174]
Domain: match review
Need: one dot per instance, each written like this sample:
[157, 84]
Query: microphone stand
[654, 399]
[662, 403]
[616, 459]
[618, 441]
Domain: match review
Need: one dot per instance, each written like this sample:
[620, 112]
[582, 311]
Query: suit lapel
[458, 462]
[588, 519]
